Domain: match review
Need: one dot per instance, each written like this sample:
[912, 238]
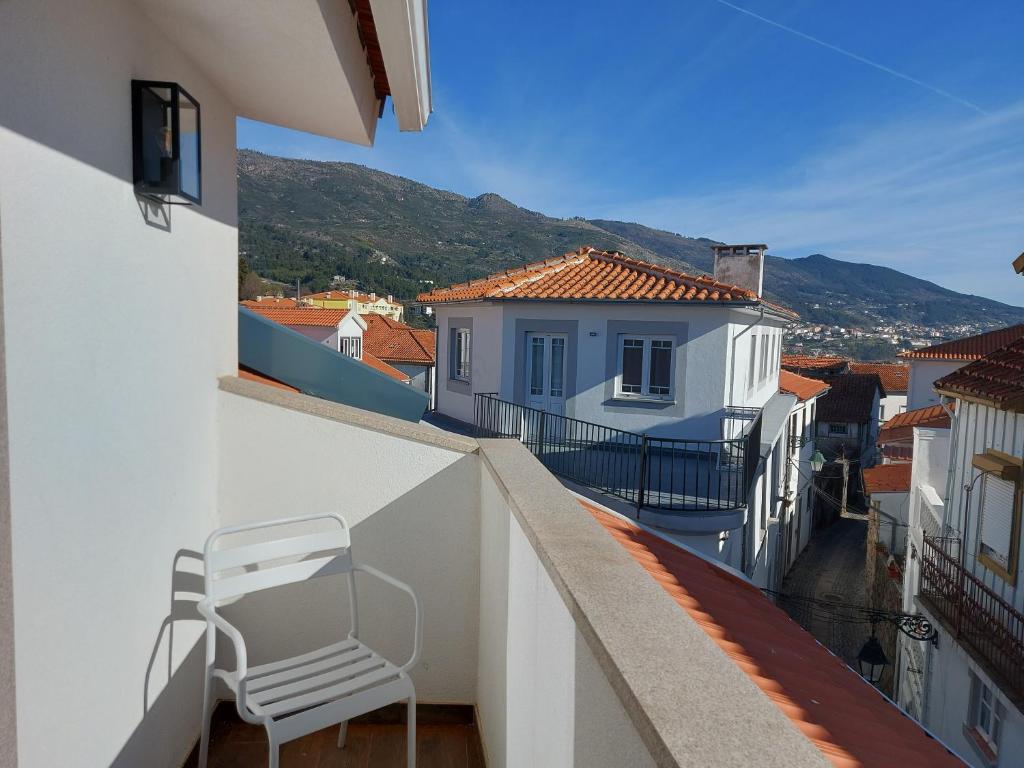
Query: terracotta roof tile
[251, 375]
[895, 376]
[850, 399]
[311, 316]
[271, 301]
[970, 348]
[589, 274]
[997, 378]
[363, 298]
[901, 426]
[801, 386]
[805, 364]
[379, 365]
[397, 342]
[835, 709]
[887, 478]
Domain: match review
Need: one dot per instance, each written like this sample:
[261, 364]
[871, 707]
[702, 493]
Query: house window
[838, 428]
[753, 364]
[459, 354]
[645, 367]
[352, 346]
[764, 358]
[985, 718]
[1000, 518]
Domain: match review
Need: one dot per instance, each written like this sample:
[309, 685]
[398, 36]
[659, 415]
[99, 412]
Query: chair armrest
[418, 632]
[205, 607]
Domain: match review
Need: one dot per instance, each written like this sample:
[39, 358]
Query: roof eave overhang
[756, 305]
[1011, 404]
[405, 47]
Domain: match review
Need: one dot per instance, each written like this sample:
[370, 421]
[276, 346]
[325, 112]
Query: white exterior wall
[890, 405]
[923, 374]
[541, 696]
[892, 527]
[408, 523]
[111, 386]
[715, 358]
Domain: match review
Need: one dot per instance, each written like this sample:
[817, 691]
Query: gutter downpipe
[732, 386]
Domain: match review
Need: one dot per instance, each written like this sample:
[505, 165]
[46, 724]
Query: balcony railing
[665, 474]
[981, 621]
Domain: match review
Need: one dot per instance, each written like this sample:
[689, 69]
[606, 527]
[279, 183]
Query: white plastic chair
[302, 694]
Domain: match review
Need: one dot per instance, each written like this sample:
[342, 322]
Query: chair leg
[204, 739]
[275, 751]
[342, 734]
[411, 737]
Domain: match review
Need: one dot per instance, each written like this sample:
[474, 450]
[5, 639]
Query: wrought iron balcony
[662, 474]
[984, 624]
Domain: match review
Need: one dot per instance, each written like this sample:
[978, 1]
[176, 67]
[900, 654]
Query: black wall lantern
[166, 143]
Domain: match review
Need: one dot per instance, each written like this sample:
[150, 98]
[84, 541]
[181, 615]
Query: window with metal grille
[352, 346]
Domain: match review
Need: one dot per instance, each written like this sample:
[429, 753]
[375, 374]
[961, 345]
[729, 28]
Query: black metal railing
[980, 619]
[652, 472]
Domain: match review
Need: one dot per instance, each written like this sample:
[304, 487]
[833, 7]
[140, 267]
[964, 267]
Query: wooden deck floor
[446, 737]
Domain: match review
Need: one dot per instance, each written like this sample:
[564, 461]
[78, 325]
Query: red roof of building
[887, 478]
[271, 301]
[895, 376]
[343, 295]
[308, 316]
[901, 426]
[996, 379]
[801, 386]
[379, 365]
[397, 342]
[251, 375]
[812, 362]
[589, 274]
[851, 399]
[970, 348]
[835, 709]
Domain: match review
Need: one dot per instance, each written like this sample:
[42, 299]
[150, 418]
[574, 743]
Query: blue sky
[884, 132]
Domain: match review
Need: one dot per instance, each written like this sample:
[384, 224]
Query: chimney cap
[746, 248]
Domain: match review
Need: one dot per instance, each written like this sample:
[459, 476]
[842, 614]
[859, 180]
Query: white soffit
[295, 63]
[404, 43]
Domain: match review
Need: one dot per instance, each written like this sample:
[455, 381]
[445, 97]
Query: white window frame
[987, 713]
[752, 364]
[349, 344]
[461, 354]
[645, 367]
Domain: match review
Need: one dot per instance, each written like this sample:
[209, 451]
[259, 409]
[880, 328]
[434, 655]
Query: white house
[965, 571]
[929, 364]
[615, 351]
[887, 488]
[339, 329]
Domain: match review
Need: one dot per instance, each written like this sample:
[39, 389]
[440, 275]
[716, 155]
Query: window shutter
[997, 515]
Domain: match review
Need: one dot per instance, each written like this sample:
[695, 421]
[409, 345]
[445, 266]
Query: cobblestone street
[831, 569]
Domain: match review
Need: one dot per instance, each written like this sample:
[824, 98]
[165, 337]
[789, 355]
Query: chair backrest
[277, 562]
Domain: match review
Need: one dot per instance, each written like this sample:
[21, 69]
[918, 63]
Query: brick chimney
[741, 265]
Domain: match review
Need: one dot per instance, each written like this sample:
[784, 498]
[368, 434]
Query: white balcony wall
[542, 698]
[118, 321]
[413, 508]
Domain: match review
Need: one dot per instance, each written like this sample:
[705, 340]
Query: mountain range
[312, 221]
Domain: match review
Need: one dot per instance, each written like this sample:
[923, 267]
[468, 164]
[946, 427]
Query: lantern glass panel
[188, 128]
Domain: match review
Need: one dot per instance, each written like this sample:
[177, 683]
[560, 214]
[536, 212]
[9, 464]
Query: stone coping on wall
[345, 414]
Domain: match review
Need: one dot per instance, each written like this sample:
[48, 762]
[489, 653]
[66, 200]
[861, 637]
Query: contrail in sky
[855, 57]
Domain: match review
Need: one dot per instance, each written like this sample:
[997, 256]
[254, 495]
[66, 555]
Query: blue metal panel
[312, 368]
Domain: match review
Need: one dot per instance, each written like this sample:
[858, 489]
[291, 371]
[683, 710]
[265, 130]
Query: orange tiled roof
[589, 274]
[271, 301]
[397, 342]
[311, 316]
[377, 364]
[363, 298]
[801, 386]
[251, 375]
[895, 376]
[887, 478]
[970, 348]
[835, 709]
[809, 362]
[997, 378]
[901, 426]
